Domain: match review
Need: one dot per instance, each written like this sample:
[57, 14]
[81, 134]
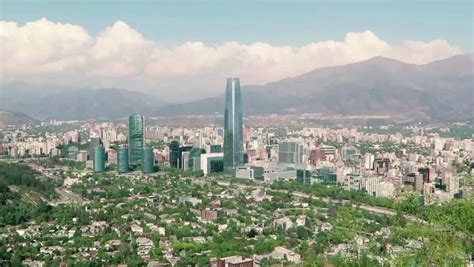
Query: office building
[212, 163]
[290, 152]
[136, 139]
[249, 172]
[233, 127]
[369, 161]
[95, 142]
[99, 159]
[174, 153]
[148, 160]
[122, 160]
[183, 157]
[194, 163]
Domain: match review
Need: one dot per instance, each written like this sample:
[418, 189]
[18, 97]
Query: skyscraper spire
[233, 127]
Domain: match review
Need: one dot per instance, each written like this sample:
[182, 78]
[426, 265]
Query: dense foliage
[15, 207]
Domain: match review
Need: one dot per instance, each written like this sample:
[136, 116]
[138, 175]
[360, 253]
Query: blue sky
[275, 22]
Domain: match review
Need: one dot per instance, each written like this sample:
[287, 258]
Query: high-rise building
[99, 159]
[148, 158]
[212, 163]
[290, 152]
[184, 159]
[136, 138]
[183, 163]
[195, 159]
[174, 153]
[95, 142]
[122, 160]
[369, 161]
[233, 127]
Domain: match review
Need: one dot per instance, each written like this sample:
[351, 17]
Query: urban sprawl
[134, 193]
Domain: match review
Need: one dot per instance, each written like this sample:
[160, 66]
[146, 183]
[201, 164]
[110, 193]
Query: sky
[185, 49]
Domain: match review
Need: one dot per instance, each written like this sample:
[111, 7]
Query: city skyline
[119, 145]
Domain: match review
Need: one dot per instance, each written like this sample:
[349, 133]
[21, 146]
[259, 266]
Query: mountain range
[15, 119]
[440, 90]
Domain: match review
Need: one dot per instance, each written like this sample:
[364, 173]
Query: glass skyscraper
[99, 159]
[233, 127]
[136, 139]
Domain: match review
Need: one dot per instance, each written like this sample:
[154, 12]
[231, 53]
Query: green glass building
[136, 139]
[95, 142]
[122, 160]
[233, 127]
[148, 160]
[303, 176]
[99, 159]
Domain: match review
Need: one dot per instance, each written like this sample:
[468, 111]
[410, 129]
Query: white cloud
[120, 55]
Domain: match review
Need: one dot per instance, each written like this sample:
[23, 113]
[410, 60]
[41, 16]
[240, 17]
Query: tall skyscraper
[233, 127]
[99, 159]
[136, 138]
[148, 164]
[95, 142]
[122, 160]
[174, 153]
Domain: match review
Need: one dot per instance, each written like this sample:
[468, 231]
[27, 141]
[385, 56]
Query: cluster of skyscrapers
[135, 156]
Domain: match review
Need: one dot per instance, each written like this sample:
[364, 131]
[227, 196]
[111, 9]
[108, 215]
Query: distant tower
[148, 164]
[136, 138]
[174, 153]
[99, 159]
[122, 160]
[233, 127]
[95, 142]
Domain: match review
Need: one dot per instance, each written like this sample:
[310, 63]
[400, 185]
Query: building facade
[290, 152]
[136, 138]
[233, 127]
[148, 160]
[122, 160]
[99, 159]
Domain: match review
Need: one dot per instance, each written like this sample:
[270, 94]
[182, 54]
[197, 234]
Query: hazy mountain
[379, 86]
[44, 103]
[440, 90]
[15, 118]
